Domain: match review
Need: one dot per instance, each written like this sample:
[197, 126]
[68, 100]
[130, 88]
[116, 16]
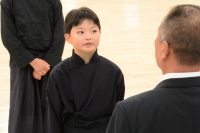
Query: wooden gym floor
[129, 28]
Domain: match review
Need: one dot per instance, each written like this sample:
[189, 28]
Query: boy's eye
[94, 31]
[80, 32]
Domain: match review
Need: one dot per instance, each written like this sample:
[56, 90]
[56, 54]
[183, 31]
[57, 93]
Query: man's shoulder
[141, 96]
[152, 97]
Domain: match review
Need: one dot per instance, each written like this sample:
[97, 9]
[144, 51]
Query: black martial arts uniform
[81, 97]
[30, 29]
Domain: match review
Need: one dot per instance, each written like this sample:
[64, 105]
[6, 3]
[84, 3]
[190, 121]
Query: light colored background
[129, 28]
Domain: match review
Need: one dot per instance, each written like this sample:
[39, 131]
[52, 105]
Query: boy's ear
[67, 38]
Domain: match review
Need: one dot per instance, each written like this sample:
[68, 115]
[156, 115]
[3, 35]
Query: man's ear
[67, 38]
[165, 50]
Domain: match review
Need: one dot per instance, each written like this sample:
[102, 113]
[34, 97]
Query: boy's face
[84, 37]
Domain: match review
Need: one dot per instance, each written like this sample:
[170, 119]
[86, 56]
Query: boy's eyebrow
[94, 26]
[78, 28]
[90, 28]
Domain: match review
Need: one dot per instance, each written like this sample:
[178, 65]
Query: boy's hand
[40, 66]
[36, 75]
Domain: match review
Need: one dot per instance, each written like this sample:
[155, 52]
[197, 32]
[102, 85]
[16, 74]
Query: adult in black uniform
[84, 88]
[32, 32]
[174, 105]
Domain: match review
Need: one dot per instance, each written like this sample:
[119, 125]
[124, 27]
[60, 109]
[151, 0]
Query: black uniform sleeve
[54, 53]
[118, 122]
[54, 121]
[120, 87]
[9, 35]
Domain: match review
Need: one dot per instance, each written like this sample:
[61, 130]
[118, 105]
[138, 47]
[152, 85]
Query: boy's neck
[86, 57]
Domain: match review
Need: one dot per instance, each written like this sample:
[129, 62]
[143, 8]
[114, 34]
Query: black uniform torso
[84, 91]
[32, 25]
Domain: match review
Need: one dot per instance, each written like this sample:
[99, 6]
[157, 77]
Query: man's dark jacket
[172, 107]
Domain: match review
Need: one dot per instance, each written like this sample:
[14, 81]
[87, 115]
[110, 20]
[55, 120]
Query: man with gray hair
[173, 106]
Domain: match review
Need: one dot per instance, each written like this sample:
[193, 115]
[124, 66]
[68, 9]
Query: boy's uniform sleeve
[118, 122]
[10, 38]
[54, 121]
[54, 53]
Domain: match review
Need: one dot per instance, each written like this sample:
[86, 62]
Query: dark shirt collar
[79, 61]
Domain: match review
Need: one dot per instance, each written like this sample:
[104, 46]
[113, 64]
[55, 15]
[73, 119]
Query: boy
[83, 89]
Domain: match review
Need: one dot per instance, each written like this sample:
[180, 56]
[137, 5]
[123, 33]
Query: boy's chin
[90, 50]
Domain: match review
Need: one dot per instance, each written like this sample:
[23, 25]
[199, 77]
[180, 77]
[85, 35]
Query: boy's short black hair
[76, 16]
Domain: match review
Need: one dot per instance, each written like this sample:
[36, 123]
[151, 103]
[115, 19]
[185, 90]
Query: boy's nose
[88, 36]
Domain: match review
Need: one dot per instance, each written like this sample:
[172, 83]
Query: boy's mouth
[88, 44]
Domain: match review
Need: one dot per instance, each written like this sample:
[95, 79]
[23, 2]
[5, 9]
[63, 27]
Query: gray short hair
[181, 29]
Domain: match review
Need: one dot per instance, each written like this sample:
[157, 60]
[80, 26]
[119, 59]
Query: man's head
[179, 34]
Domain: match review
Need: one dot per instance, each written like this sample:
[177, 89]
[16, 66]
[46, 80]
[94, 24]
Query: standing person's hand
[36, 75]
[40, 66]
